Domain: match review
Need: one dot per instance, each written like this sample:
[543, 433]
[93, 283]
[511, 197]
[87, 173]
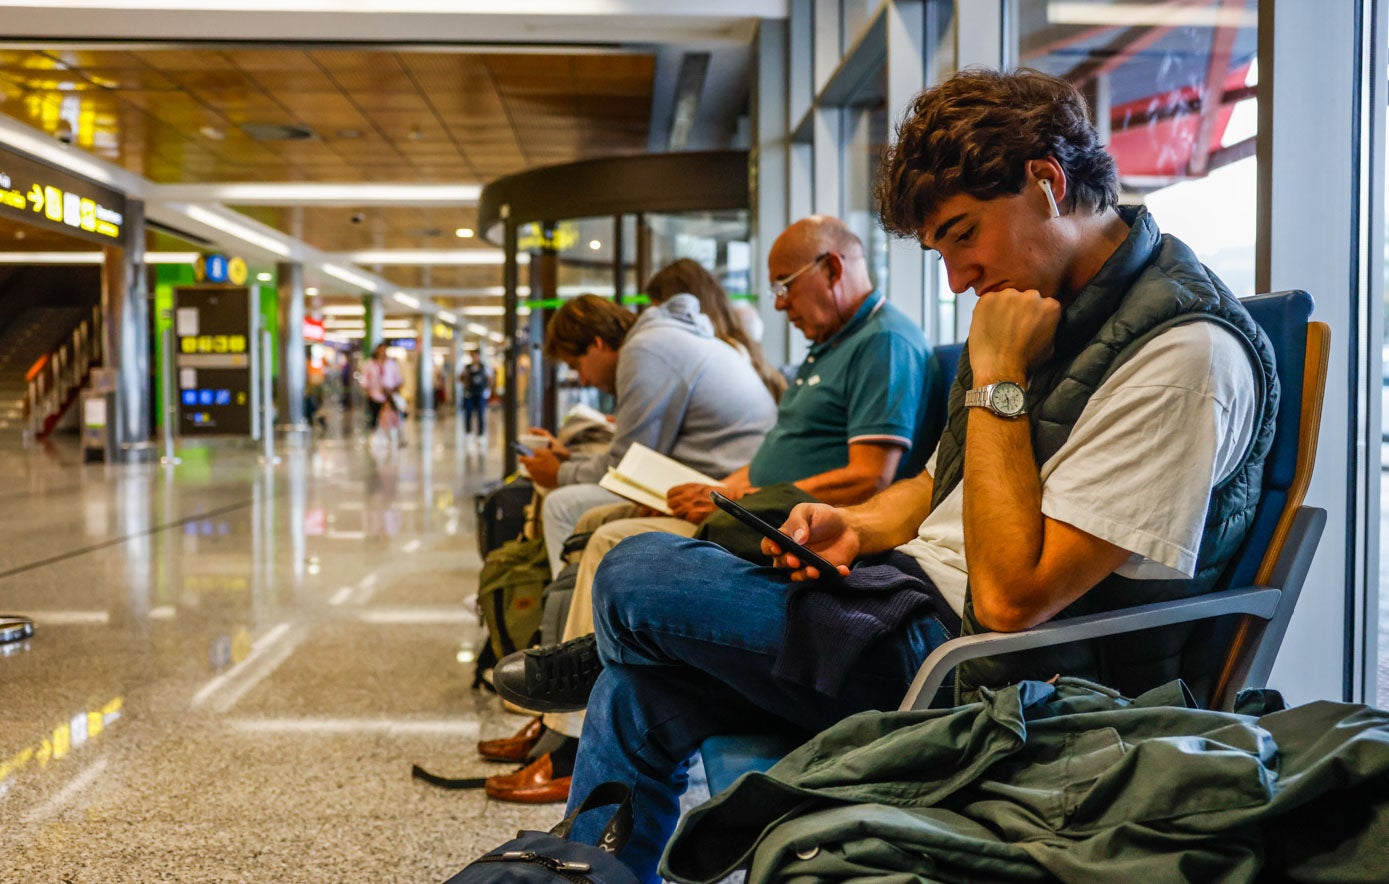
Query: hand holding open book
[644, 476]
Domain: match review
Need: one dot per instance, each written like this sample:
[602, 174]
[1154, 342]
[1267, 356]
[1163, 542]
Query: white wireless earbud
[1051, 200]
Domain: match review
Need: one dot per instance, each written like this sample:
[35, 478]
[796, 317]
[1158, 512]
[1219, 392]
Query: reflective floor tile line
[258, 649]
[464, 728]
[53, 806]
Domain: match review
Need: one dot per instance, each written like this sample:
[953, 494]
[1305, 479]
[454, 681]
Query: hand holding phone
[807, 557]
[523, 450]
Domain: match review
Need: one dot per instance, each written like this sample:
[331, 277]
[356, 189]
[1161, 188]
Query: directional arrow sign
[36, 197]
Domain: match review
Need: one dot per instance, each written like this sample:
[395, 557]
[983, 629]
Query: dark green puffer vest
[1149, 285]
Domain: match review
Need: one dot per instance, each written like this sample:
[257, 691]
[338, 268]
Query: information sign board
[212, 335]
[38, 194]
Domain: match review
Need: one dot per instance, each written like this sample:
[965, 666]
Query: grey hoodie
[682, 392]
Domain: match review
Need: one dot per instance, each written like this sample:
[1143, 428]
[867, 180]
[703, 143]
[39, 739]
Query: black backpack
[550, 856]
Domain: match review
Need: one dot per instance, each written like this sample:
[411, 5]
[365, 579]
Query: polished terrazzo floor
[234, 667]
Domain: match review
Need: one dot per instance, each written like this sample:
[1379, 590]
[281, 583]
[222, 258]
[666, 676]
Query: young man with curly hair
[1106, 369]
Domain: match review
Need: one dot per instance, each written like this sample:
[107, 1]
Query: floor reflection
[235, 664]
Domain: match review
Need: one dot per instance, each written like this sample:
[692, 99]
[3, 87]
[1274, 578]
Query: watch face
[1008, 398]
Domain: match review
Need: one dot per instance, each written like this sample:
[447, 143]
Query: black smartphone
[522, 450]
[774, 534]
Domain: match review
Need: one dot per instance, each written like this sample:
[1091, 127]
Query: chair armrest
[1260, 601]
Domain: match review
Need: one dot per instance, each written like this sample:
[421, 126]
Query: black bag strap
[575, 543]
[420, 773]
[619, 828]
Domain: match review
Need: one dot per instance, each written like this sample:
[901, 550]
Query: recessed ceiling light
[212, 132]
[277, 132]
[349, 133]
[595, 244]
[463, 232]
[311, 291]
[263, 277]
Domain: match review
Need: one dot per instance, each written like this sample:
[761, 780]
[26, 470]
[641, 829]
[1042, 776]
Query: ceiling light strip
[344, 275]
[303, 194]
[235, 229]
[454, 257]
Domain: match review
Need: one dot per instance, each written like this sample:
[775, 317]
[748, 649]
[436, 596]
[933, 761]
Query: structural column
[424, 350]
[374, 322]
[769, 158]
[544, 387]
[510, 280]
[459, 359]
[980, 30]
[906, 76]
[126, 327]
[290, 392]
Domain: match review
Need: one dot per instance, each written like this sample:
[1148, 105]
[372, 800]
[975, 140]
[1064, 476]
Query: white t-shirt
[1140, 463]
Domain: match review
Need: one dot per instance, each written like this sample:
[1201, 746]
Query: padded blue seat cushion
[729, 756]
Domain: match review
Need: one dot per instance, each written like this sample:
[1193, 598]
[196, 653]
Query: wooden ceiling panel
[224, 81]
[614, 88]
[404, 227]
[98, 58]
[450, 277]
[322, 105]
[279, 61]
[445, 67]
[398, 123]
[173, 61]
[631, 66]
[296, 83]
[520, 65]
[534, 84]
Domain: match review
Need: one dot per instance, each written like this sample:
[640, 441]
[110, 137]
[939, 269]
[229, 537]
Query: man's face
[596, 366]
[808, 301]
[988, 245]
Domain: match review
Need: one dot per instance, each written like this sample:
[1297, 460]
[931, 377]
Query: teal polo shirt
[864, 384]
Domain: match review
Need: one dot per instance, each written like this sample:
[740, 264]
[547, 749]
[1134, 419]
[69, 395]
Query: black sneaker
[555, 678]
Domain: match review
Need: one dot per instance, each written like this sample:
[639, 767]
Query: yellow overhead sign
[48, 197]
[563, 238]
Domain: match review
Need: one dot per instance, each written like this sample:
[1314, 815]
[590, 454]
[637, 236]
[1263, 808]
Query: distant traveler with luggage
[477, 387]
[381, 379]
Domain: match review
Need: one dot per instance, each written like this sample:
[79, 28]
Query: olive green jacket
[1060, 783]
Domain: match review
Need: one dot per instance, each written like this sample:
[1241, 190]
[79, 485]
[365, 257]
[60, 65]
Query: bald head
[833, 280]
[815, 234]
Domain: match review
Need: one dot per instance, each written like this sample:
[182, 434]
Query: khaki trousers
[605, 537]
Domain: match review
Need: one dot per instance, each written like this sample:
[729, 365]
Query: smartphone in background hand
[807, 558]
[522, 450]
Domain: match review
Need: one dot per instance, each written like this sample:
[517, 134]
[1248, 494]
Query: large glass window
[1172, 85]
[1382, 618]
[585, 252]
[865, 137]
[717, 240]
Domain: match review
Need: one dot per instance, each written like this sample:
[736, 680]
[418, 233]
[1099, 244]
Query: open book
[644, 476]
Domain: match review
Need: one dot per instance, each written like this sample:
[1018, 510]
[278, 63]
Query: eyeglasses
[780, 287]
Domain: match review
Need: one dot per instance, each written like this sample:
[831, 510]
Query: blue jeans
[474, 407]
[688, 635]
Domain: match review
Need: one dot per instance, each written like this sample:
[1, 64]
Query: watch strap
[979, 397]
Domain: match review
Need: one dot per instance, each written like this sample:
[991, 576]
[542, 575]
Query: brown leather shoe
[515, 747]
[535, 783]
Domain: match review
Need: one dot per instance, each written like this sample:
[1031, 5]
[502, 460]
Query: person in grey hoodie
[680, 391]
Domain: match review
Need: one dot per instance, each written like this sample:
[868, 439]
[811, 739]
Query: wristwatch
[1005, 399]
